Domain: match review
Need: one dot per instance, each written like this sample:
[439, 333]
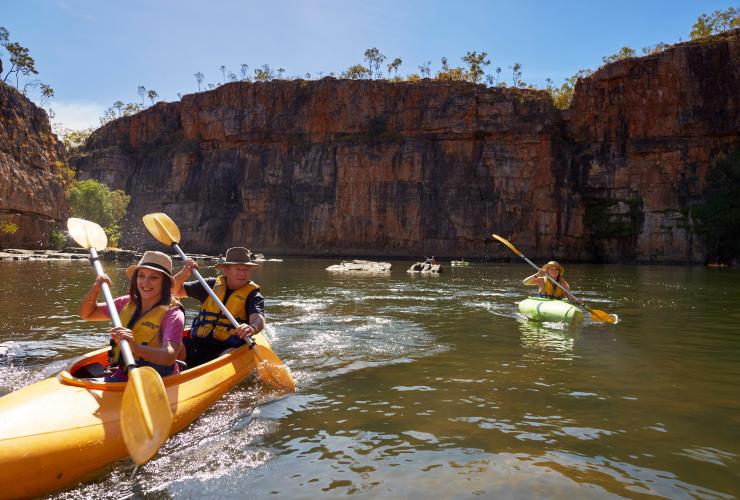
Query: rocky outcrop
[360, 266]
[395, 169]
[645, 132]
[339, 167]
[425, 268]
[32, 174]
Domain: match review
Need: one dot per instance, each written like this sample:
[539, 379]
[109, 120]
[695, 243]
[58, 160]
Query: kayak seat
[93, 370]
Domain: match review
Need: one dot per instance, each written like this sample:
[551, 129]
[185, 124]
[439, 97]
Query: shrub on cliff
[92, 200]
[718, 216]
[563, 96]
[715, 23]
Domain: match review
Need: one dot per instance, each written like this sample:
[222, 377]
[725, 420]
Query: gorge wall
[340, 167]
[32, 174]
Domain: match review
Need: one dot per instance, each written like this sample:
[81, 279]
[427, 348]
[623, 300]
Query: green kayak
[550, 310]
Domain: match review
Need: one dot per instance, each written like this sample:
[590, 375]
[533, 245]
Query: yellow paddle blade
[146, 417]
[272, 370]
[602, 316]
[162, 228]
[508, 244]
[87, 234]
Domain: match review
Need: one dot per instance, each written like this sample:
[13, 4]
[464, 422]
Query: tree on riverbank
[94, 201]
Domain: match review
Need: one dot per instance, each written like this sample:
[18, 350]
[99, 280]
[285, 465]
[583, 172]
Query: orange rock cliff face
[32, 174]
[339, 167]
[405, 169]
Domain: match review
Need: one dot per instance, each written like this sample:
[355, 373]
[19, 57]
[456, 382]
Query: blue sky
[94, 52]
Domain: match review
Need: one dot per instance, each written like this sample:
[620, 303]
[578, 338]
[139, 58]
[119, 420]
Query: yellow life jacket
[146, 331]
[551, 291]
[212, 322]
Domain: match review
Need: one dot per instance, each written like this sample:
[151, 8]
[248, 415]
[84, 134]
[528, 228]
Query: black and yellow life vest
[211, 322]
[146, 330]
[551, 291]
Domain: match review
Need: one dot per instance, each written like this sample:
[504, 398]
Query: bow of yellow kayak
[56, 432]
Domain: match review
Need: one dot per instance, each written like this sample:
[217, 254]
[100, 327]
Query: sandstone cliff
[32, 168]
[379, 168]
[645, 133]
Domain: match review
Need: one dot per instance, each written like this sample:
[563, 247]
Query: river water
[432, 386]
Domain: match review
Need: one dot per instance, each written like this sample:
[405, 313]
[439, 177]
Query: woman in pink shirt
[152, 319]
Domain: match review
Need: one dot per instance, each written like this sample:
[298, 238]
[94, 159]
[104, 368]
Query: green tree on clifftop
[21, 63]
[475, 64]
[393, 66]
[717, 22]
[356, 72]
[624, 53]
[448, 72]
[374, 59]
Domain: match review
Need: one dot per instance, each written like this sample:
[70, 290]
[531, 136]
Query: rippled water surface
[416, 387]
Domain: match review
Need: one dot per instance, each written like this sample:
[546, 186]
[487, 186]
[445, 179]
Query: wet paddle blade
[162, 228]
[87, 234]
[508, 244]
[272, 370]
[146, 417]
[602, 316]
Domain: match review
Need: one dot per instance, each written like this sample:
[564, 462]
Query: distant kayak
[550, 310]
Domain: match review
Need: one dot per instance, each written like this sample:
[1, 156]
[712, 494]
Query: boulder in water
[361, 266]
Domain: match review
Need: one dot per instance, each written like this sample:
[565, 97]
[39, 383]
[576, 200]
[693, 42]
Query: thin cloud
[77, 114]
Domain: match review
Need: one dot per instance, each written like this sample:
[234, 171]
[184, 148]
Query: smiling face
[149, 284]
[237, 275]
[553, 272]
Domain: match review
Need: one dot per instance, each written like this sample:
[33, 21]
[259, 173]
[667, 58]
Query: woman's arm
[91, 310]
[535, 279]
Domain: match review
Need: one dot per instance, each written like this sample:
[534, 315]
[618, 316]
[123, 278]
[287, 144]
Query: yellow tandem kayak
[60, 430]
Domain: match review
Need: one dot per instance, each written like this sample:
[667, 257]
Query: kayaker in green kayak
[546, 288]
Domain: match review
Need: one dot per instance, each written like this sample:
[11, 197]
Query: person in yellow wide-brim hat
[554, 271]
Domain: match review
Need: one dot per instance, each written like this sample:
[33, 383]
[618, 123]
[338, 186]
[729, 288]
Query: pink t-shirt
[171, 327]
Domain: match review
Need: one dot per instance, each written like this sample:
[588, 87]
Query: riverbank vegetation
[717, 217]
[94, 201]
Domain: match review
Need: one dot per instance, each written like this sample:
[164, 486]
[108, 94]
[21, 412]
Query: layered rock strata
[339, 167]
[33, 174]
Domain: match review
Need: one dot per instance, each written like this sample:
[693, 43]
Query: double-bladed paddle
[269, 366]
[596, 314]
[146, 417]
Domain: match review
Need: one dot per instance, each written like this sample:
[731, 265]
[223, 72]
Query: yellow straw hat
[553, 263]
[151, 259]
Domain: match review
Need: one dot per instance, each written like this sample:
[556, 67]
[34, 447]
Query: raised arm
[535, 279]
[181, 277]
[90, 309]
